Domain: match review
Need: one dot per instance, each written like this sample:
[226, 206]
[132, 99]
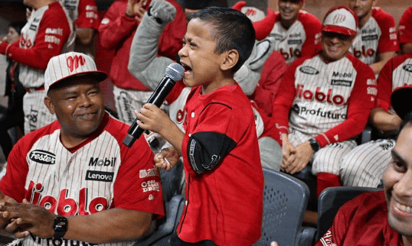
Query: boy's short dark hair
[232, 30]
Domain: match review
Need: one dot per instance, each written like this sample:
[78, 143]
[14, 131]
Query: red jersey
[83, 13]
[225, 204]
[330, 102]
[47, 33]
[301, 39]
[405, 27]
[362, 221]
[377, 36]
[117, 31]
[99, 174]
[397, 72]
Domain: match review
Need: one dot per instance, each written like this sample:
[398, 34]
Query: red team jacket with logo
[301, 39]
[405, 27]
[99, 174]
[330, 102]
[224, 204]
[362, 221]
[117, 31]
[397, 72]
[377, 36]
[83, 13]
[46, 33]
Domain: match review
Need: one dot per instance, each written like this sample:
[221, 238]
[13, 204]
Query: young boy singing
[224, 190]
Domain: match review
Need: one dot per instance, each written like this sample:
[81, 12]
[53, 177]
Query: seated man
[382, 217]
[76, 179]
[364, 165]
[405, 31]
[376, 41]
[325, 103]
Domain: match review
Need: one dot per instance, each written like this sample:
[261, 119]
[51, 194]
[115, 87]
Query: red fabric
[269, 82]
[88, 16]
[128, 183]
[39, 55]
[313, 29]
[385, 81]
[405, 27]
[362, 221]
[224, 205]
[118, 34]
[388, 40]
[326, 180]
[358, 105]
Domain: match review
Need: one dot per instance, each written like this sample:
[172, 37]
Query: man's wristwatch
[314, 144]
[59, 226]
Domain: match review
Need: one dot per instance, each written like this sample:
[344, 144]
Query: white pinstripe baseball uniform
[328, 102]
[99, 174]
[301, 39]
[48, 32]
[378, 35]
[364, 165]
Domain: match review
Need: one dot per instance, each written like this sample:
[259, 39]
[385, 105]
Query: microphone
[174, 72]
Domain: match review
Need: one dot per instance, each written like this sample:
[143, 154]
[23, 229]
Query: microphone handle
[157, 98]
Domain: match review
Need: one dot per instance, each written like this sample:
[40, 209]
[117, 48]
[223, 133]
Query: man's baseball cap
[202, 4]
[69, 65]
[401, 100]
[341, 20]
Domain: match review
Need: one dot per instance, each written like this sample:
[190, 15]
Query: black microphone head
[175, 71]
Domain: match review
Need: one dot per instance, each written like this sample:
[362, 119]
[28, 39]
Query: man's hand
[27, 218]
[288, 151]
[3, 198]
[153, 118]
[136, 8]
[302, 157]
[163, 10]
[167, 158]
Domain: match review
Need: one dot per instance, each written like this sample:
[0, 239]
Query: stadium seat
[330, 200]
[285, 201]
[167, 226]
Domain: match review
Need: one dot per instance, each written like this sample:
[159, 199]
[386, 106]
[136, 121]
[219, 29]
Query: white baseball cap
[341, 20]
[68, 65]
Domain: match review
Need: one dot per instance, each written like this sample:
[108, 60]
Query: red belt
[33, 89]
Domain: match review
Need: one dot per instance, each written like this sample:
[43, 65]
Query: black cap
[202, 4]
[401, 100]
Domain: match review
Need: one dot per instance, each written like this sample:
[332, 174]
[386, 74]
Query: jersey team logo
[407, 67]
[320, 96]
[309, 70]
[42, 157]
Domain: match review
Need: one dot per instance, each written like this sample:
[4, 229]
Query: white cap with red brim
[341, 20]
[70, 65]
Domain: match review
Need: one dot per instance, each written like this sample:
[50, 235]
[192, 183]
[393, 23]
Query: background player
[81, 182]
[296, 32]
[328, 100]
[405, 31]
[376, 41]
[364, 166]
[116, 33]
[86, 22]
[48, 32]
[219, 146]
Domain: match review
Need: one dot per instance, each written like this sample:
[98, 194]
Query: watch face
[60, 226]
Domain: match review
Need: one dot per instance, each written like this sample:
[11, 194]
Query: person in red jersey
[48, 32]
[296, 32]
[116, 31]
[219, 146]
[405, 31]
[376, 41]
[325, 102]
[382, 217]
[86, 22]
[73, 182]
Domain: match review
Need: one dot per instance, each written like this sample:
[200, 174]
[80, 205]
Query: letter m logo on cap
[74, 61]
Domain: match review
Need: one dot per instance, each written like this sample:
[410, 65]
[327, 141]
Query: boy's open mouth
[187, 69]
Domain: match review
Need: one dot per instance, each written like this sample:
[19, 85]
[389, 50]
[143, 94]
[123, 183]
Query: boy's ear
[49, 104]
[231, 59]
